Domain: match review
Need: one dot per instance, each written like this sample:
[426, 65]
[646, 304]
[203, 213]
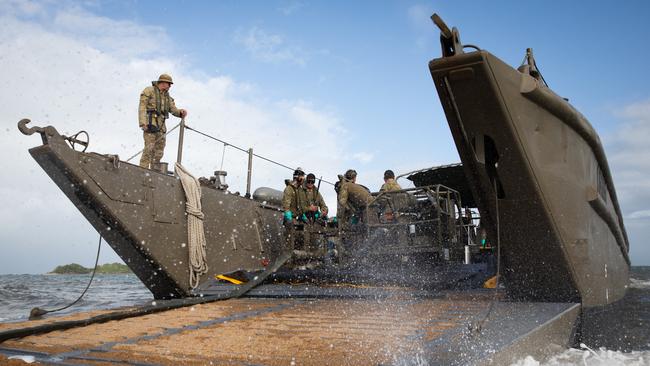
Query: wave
[642, 284]
[590, 357]
[20, 293]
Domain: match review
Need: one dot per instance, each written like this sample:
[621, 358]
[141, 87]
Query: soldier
[315, 205]
[385, 203]
[155, 106]
[293, 199]
[313, 210]
[292, 205]
[353, 199]
[389, 182]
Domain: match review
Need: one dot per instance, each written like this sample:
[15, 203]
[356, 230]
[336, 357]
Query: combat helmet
[298, 172]
[165, 78]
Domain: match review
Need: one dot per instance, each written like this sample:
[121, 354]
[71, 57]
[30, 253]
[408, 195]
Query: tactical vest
[298, 198]
[162, 103]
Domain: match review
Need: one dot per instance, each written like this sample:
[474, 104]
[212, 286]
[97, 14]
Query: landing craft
[403, 285]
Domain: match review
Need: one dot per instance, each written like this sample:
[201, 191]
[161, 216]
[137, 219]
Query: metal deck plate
[262, 331]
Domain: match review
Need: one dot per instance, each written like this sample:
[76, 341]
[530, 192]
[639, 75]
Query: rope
[37, 312]
[195, 233]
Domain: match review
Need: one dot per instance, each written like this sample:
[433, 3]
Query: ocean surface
[20, 293]
[624, 339]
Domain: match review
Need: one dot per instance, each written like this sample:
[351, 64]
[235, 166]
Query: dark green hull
[540, 178]
[141, 214]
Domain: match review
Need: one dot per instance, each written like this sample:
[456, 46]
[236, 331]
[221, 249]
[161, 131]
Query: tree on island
[108, 268]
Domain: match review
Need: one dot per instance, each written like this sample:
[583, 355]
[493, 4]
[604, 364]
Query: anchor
[49, 131]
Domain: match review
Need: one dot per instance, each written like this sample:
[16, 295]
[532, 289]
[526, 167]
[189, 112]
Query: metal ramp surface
[330, 331]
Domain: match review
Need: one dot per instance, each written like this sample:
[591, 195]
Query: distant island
[108, 268]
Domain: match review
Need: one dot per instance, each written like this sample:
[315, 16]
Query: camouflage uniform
[390, 185]
[353, 199]
[294, 199]
[158, 105]
[313, 197]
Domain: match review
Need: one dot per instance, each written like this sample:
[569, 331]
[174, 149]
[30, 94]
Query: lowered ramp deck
[401, 328]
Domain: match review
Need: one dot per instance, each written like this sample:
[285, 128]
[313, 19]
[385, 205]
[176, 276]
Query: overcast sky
[323, 85]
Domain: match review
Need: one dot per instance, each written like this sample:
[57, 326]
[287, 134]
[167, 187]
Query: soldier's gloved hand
[183, 113]
[303, 218]
[316, 215]
[288, 215]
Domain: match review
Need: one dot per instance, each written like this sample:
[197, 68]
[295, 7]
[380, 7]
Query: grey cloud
[59, 78]
[629, 156]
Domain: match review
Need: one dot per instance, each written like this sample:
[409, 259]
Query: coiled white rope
[195, 233]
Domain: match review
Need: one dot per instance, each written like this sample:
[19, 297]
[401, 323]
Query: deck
[398, 329]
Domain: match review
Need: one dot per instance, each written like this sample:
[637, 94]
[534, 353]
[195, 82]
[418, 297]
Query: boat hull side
[108, 226]
[555, 244]
[141, 214]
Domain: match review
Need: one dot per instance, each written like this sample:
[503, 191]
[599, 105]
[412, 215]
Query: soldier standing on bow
[155, 106]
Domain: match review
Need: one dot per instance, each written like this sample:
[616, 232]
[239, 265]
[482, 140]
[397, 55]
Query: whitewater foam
[590, 357]
[636, 283]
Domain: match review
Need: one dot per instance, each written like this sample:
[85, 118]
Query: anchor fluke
[22, 126]
[49, 131]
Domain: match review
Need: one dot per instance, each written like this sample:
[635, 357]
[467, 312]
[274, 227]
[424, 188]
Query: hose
[145, 310]
[37, 312]
[478, 327]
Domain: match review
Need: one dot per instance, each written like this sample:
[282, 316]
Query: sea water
[627, 336]
[20, 293]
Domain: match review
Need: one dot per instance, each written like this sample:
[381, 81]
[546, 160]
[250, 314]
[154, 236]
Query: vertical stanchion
[181, 134]
[250, 172]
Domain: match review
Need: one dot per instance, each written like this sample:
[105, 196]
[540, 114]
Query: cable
[225, 144]
[243, 150]
[480, 324]
[37, 312]
[471, 46]
[534, 65]
[145, 310]
[539, 72]
[140, 152]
